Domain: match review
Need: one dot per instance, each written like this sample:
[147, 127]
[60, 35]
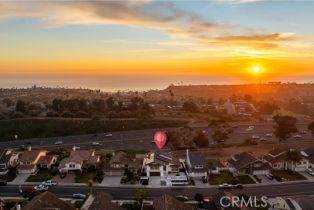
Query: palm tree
[294, 157]
[90, 184]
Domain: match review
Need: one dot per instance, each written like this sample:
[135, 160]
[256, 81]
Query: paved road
[289, 189]
[141, 139]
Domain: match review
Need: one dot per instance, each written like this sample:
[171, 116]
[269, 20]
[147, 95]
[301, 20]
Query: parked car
[3, 182]
[303, 132]
[263, 139]
[58, 142]
[225, 186]
[108, 135]
[182, 198]
[239, 186]
[310, 171]
[269, 135]
[269, 176]
[95, 143]
[41, 188]
[50, 183]
[79, 196]
[297, 136]
[255, 137]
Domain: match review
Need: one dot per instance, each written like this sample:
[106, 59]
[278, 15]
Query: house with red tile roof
[78, 160]
[29, 160]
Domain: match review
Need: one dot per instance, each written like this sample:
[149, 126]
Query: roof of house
[46, 159]
[78, 156]
[5, 155]
[197, 159]
[47, 200]
[124, 158]
[275, 159]
[103, 201]
[30, 156]
[161, 158]
[277, 151]
[241, 160]
[168, 202]
[310, 152]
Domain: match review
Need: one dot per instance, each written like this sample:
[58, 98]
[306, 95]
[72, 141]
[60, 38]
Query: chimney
[74, 148]
[18, 207]
[29, 148]
[187, 153]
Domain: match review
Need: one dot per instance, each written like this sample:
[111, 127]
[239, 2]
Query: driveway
[199, 183]
[265, 180]
[111, 181]
[20, 179]
[308, 176]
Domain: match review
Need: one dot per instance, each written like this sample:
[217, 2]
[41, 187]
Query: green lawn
[287, 175]
[245, 179]
[223, 177]
[227, 177]
[40, 176]
[84, 177]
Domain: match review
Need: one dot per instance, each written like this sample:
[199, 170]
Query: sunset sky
[220, 37]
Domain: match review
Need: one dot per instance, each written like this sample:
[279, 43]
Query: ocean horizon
[112, 83]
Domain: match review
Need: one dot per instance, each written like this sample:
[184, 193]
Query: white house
[8, 159]
[78, 160]
[309, 155]
[301, 165]
[196, 165]
[283, 204]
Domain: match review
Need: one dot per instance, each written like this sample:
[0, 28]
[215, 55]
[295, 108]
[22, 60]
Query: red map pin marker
[160, 139]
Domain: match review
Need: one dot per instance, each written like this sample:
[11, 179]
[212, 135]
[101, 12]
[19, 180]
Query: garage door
[154, 173]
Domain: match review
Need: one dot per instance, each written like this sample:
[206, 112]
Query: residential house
[245, 163]
[283, 204]
[196, 165]
[45, 162]
[158, 164]
[300, 165]
[79, 160]
[309, 155]
[29, 160]
[168, 202]
[101, 201]
[169, 169]
[8, 159]
[276, 158]
[119, 162]
[48, 200]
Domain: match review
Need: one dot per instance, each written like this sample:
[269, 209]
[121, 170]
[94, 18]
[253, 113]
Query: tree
[20, 106]
[221, 132]
[285, 126]
[190, 106]
[311, 127]
[90, 184]
[29, 193]
[140, 195]
[201, 140]
[110, 103]
[294, 157]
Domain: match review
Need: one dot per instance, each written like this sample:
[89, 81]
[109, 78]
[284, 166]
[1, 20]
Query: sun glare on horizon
[256, 69]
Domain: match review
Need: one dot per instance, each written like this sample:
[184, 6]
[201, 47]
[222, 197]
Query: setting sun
[256, 69]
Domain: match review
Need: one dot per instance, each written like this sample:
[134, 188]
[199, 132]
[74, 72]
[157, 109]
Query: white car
[310, 171]
[225, 186]
[303, 132]
[269, 135]
[79, 196]
[41, 188]
[108, 135]
[255, 137]
[58, 142]
[297, 136]
[95, 143]
[50, 183]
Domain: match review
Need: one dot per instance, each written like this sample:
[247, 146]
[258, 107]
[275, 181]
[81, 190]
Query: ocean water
[111, 83]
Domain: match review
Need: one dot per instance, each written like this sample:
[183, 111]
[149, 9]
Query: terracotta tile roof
[168, 202]
[30, 156]
[47, 200]
[78, 156]
[102, 201]
[46, 159]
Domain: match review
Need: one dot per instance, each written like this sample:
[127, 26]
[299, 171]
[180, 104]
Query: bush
[67, 114]
[52, 114]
